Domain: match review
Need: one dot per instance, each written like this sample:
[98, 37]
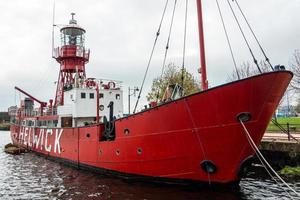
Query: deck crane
[43, 104]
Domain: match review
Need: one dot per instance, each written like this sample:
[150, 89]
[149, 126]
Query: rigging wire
[53, 26]
[15, 97]
[262, 50]
[258, 153]
[195, 130]
[151, 55]
[167, 46]
[184, 44]
[228, 41]
[243, 34]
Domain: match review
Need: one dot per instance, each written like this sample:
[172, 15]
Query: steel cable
[262, 50]
[195, 130]
[245, 39]
[167, 47]
[151, 55]
[184, 44]
[228, 41]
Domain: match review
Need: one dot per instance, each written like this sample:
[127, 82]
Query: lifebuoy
[90, 83]
[111, 85]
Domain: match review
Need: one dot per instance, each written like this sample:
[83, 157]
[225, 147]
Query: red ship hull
[171, 141]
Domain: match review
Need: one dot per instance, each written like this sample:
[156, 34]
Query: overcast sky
[120, 35]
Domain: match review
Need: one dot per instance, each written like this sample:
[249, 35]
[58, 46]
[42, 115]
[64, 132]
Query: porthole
[139, 151]
[88, 135]
[100, 152]
[209, 166]
[126, 131]
[117, 152]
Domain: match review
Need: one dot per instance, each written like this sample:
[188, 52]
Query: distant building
[4, 117]
[286, 111]
[12, 111]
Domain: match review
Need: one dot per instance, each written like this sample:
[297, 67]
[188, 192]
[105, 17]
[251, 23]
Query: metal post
[135, 89]
[288, 131]
[129, 100]
[97, 107]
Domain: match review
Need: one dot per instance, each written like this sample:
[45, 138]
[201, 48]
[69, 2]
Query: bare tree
[295, 68]
[247, 70]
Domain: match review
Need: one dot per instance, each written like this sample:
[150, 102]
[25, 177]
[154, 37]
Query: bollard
[288, 131]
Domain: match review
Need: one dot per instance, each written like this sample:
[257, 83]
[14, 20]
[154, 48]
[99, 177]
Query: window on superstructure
[82, 95]
[92, 95]
[118, 96]
[101, 95]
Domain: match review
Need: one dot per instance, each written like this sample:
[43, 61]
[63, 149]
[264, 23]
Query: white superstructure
[80, 103]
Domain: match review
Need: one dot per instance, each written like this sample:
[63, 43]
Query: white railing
[71, 51]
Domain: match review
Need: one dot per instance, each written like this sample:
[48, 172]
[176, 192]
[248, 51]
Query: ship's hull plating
[172, 140]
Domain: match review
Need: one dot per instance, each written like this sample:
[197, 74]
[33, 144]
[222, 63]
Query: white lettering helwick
[29, 133]
[21, 135]
[35, 141]
[48, 148]
[25, 136]
[57, 140]
[41, 138]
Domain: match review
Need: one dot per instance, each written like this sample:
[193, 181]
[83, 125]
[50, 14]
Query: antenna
[53, 25]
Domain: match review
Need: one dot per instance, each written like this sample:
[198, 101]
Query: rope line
[197, 135]
[184, 43]
[167, 47]
[254, 35]
[259, 154]
[228, 41]
[268, 171]
[151, 55]
[245, 39]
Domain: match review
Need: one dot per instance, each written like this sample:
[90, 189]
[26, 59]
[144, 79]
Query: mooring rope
[268, 171]
[259, 154]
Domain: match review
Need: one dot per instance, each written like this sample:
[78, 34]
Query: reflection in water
[30, 176]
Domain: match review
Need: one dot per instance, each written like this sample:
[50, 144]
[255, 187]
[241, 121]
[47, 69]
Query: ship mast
[204, 82]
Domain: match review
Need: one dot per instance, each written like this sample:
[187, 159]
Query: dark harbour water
[30, 176]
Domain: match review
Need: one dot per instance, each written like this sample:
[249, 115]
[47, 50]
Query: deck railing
[289, 128]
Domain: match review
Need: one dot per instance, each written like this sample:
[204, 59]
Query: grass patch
[294, 123]
[291, 171]
[4, 127]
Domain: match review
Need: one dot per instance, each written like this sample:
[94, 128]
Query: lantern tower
[72, 57]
